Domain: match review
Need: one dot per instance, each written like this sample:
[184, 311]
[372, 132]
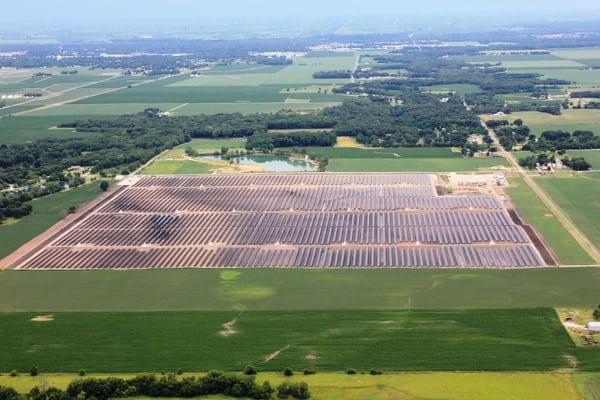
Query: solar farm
[331, 220]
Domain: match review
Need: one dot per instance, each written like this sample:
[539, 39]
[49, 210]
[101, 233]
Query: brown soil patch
[229, 328]
[275, 354]
[42, 318]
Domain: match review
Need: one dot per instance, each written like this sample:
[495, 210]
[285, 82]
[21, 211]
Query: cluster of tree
[32, 94]
[342, 74]
[485, 103]
[213, 383]
[268, 141]
[69, 72]
[535, 160]
[592, 105]
[421, 120]
[510, 134]
[16, 204]
[577, 163]
[42, 74]
[2, 103]
[544, 159]
[560, 140]
[586, 95]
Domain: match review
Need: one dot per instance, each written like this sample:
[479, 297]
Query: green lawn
[537, 214]
[296, 289]
[46, 212]
[579, 197]
[450, 340]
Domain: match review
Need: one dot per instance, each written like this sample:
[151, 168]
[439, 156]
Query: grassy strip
[537, 214]
[406, 386]
[450, 340]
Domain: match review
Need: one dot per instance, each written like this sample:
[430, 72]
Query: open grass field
[46, 212]
[579, 197]
[177, 167]
[537, 214]
[404, 386]
[450, 340]
[296, 289]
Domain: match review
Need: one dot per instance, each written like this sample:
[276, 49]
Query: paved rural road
[555, 209]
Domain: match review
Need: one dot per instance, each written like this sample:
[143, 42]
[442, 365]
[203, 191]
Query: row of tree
[213, 383]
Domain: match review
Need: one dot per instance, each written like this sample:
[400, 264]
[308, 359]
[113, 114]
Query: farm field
[490, 340]
[27, 128]
[237, 88]
[47, 211]
[414, 164]
[537, 214]
[579, 197]
[431, 159]
[296, 289]
[406, 386]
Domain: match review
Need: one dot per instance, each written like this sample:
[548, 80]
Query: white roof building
[593, 326]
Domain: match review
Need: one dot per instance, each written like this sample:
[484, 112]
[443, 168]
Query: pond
[271, 163]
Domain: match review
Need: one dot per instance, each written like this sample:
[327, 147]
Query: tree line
[213, 383]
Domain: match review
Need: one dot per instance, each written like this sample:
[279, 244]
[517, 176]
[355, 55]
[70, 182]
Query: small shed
[593, 326]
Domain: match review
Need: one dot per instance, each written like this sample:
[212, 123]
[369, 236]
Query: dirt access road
[583, 241]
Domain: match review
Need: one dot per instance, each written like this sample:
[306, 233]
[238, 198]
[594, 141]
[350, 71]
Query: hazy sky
[95, 10]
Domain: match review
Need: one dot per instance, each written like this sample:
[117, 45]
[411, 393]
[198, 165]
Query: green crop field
[296, 289]
[579, 197]
[233, 88]
[537, 214]
[492, 340]
[46, 212]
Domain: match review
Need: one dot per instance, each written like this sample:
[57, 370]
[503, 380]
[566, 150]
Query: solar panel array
[290, 220]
